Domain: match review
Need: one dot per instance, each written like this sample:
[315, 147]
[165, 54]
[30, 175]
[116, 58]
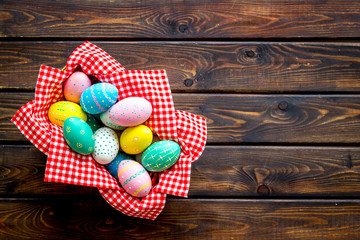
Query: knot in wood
[283, 105]
[250, 53]
[188, 82]
[263, 190]
[109, 221]
[183, 28]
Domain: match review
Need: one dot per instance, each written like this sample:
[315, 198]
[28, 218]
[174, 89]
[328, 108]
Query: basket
[66, 166]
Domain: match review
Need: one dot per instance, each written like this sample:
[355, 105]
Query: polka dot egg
[106, 145]
[75, 85]
[134, 178]
[130, 111]
[99, 98]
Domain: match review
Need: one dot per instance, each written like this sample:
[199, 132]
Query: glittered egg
[134, 178]
[135, 140]
[160, 156]
[130, 111]
[78, 135]
[60, 111]
[113, 166]
[98, 98]
[75, 85]
[108, 122]
[106, 145]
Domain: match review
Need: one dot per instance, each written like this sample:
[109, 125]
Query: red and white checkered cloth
[66, 166]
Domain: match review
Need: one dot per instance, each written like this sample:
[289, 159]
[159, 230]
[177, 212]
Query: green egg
[78, 135]
[160, 156]
[93, 123]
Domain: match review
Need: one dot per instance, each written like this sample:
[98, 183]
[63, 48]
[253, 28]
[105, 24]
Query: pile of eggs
[113, 132]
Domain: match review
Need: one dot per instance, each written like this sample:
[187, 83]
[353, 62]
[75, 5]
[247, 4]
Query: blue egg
[114, 165]
[99, 98]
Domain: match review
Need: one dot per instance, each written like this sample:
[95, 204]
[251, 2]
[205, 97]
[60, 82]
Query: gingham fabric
[66, 166]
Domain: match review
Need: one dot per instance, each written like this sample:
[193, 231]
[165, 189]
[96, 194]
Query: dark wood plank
[184, 219]
[205, 66]
[176, 19]
[236, 118]
[244, 171]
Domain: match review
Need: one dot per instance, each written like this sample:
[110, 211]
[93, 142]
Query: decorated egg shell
[138, 156]
[160, 156]
[135, 140]
[130, 111]
[134, 178]
[60, 111]
[113, 167]
[106, 145]
[93, 123]
[98, 98]
[108, 122]
[75, 85]
[78, 135]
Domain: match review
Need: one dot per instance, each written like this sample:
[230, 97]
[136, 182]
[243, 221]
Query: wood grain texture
[238, 118]
[200, 219]
[205, 66]
[179, 19]
[244, 171]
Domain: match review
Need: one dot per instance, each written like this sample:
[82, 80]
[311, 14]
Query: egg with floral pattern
[78, 135]
[113, 166]
[106, 145]
[105, 119]
[75, 85]
[98, 98]
[134, 140]
[130, 111]
[160, 156]
[134, 178]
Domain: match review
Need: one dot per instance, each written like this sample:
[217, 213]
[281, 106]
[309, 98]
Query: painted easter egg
[93, 123]
[78, 135]
[130, 111]
[113, 166]
[75, 85]
[134, 178]
[106, 145]
[134, 140]
[160, 156]
[108, 122]
[60, 111]
[98, 98]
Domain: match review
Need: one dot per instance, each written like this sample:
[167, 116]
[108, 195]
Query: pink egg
[130, 111]
[134, 178]
[75, 85]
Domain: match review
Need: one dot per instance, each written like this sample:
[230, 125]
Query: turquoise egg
[98, 98]
[114, 165]
[93, 123]
[78, 135]
[160, 156]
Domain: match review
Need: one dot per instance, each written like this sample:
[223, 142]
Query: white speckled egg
[130, 111]
[106, 145]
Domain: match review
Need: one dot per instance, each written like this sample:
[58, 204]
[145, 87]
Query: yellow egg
[135, 140]
[60, 111]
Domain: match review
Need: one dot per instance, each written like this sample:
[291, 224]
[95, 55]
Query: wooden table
[278, 82]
